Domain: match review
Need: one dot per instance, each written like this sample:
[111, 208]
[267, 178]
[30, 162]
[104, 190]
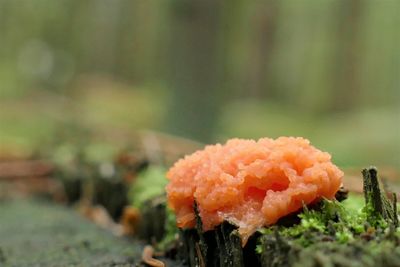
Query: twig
[147, 257]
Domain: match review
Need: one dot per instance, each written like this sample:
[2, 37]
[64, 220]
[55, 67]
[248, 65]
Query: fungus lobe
[250, 183]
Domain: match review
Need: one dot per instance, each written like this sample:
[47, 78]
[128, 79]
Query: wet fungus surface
[250, 183]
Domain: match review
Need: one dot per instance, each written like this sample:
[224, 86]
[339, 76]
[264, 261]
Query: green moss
[148, 184]
[344, 236]
[354, 202]
[342, 222]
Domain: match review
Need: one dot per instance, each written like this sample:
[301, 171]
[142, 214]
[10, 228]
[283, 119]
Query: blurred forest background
[205, 70]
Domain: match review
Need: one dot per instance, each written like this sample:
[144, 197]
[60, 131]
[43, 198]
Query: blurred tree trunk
[194, 68]
[347, 83]
[260, 74]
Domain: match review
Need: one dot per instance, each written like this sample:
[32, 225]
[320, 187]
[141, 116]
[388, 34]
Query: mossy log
[38, 233]
[375, 242]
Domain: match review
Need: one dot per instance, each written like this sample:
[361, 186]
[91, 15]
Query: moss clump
[330, 220]
[334, 233]
[149, 184]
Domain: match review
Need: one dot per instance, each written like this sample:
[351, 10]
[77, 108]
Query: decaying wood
[381, 206]
[151, 226]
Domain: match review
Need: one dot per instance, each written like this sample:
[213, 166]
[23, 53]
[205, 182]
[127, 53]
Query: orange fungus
[250, 183]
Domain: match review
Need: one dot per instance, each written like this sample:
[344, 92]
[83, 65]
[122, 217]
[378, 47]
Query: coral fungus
[250, 183]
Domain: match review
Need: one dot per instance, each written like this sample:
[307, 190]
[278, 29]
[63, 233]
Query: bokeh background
[205, 70]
